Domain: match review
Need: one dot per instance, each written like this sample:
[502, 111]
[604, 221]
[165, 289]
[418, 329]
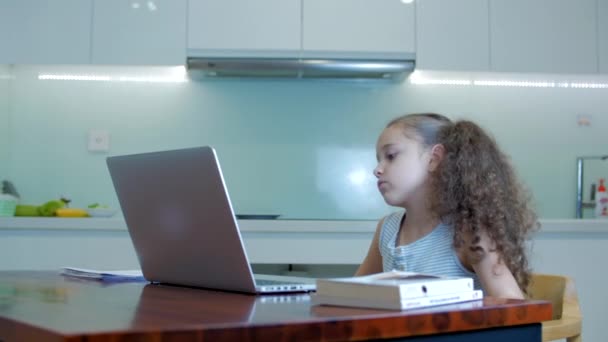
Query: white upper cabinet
[378, 28]
[543, 36]
[45, 31]
[603, 34]
[139, 32]
[452, 35]
[244, 28]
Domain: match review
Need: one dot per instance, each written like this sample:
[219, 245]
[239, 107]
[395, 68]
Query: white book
[116, 275]
[404, 304]
[393, 286]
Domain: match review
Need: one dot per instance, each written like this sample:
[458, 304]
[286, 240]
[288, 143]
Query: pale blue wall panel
[302, 149]
[5, 76]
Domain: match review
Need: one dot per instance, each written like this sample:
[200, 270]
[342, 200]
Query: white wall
[582, 257]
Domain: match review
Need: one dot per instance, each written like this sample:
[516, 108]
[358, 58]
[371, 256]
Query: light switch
[99, 140]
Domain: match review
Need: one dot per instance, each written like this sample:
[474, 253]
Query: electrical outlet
[99, 140]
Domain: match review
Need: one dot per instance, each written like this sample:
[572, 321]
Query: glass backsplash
[5, 75]
[303, 149]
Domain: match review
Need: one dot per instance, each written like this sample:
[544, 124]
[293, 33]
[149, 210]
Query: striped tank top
[432, 254]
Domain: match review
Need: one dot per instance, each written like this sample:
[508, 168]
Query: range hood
[391, 70]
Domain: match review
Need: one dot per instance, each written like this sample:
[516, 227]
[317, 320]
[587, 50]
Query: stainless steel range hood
[392, 70]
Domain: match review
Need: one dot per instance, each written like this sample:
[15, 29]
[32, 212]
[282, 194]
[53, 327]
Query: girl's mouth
[382, 185]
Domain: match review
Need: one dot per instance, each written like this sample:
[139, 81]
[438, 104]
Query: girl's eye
[391, 156]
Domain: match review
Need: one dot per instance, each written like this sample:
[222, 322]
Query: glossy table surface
[45, 306]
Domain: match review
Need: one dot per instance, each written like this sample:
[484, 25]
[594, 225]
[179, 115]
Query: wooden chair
[567, 318]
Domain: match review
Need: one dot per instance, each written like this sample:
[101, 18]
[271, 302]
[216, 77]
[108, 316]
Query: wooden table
[44, 306]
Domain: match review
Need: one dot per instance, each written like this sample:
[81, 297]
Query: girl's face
[403, 167]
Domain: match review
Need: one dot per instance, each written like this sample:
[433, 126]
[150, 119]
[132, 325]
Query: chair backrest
[549, 287]
[561, 292]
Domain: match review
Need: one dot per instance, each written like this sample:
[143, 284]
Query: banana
[26, 210]
[71, 212]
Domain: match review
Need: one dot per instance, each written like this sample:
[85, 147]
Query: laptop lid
[181, 220]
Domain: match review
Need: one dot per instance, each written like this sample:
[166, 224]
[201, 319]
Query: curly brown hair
[476, 189]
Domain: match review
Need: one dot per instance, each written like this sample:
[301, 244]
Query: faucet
[579, 185]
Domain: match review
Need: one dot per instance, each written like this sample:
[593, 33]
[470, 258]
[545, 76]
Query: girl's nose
[377, 171]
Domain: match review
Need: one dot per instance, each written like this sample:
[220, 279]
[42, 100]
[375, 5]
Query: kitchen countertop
[275, 226]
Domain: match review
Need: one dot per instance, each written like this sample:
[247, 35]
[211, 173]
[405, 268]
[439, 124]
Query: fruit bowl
[101, 212]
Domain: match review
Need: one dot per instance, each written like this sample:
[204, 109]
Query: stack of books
[396, 290]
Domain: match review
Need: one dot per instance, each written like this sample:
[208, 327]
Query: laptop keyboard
[264, 282]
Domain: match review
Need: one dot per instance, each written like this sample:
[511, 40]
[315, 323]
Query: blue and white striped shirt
[432, 254]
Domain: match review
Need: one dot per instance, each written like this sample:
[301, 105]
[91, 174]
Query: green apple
[49, 208]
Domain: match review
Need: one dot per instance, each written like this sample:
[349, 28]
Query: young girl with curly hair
[465, 214]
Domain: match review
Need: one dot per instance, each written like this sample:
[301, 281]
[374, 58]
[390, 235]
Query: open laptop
[180, 219]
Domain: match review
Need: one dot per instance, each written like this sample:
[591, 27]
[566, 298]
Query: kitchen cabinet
[452, 35]
[139, 32]
[45, 31]
[244, 28]
[603, 35]
[294, 28]
[337, 28]
[543, 36]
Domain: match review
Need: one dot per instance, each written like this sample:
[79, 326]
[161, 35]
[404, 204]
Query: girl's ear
[437, 154]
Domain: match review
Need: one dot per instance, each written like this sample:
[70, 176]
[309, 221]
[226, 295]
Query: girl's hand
[479, 253]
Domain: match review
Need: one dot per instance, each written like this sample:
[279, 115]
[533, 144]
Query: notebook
[182, 224]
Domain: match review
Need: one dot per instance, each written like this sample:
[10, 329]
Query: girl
[465, 212]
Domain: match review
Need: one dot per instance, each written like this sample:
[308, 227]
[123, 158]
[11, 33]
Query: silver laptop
[182, 224]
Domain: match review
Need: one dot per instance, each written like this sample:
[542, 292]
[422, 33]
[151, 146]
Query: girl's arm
[373, 261]
[495, 277]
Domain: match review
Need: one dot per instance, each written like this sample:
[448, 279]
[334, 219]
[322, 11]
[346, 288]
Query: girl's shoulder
[394, 218]
[389, 224]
